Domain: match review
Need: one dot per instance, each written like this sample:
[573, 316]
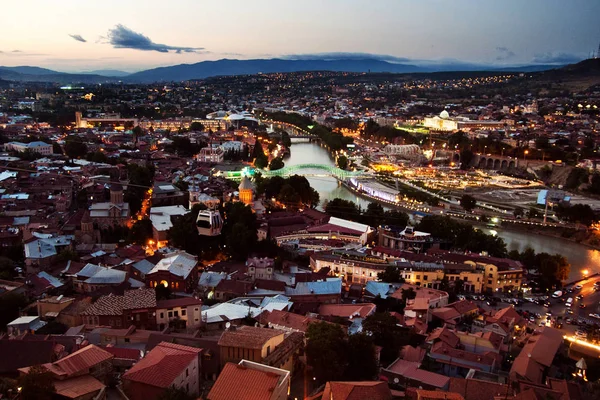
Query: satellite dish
[396, 380]
[227, 325]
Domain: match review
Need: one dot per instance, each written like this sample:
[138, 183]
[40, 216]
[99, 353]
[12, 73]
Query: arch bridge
[483, 161]
[298, 169]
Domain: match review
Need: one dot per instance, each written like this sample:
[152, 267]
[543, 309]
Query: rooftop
[248, 337]
[162, 365]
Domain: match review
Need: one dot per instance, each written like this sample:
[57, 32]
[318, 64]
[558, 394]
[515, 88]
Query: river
[580, 257]
[328, 187]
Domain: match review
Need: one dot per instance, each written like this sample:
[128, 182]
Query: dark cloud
[121, 37]
[556, 58]
[79, 38]
[346, 56]
[504, 53]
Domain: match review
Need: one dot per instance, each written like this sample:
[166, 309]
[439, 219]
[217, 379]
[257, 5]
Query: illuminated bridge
[300, 169]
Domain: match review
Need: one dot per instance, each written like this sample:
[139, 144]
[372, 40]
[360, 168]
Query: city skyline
[132, 36]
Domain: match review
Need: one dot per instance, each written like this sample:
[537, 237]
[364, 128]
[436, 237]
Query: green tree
[196, 127]
[137, 133]
[75, 147]
[518, 212]
[7, 268]
[374, 214]
[10, 306]
[141, 231]
[326, 351]
[285, 139]
[468, 202]
[37, 384]
[362, 363]
[276, 163]
[390, 275]
[466, 156]
[343, 209]
[241, 241]
[342, 162]
[383, 328]
[534, 213]
[408, 294]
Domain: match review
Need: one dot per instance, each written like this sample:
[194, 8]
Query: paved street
[591, 301]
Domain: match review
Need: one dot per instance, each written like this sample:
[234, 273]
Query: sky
[131, 35]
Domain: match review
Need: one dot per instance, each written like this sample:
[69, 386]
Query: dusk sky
[71, 35]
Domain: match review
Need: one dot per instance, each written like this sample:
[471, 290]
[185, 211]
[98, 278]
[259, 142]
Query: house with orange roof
[248, 380]
[357, 391]
[81, 375]
[537, 356]
[503, 322]
[166, 365]
[248, 343]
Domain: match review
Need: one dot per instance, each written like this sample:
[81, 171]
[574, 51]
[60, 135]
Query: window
[187, 372]
[176, 313]
[170, 314]
[268, 350]
[137, 317]
[183, 312]
[490, 275]
[162, 315]
[489, 281]
[118, 322]
[425, 277]
[465, 279]
[126, 340]
[418, 277]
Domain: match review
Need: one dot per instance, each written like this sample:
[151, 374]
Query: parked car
[569, 321]
[594, 315]
[578, 287]
[582, 305]
[579, 297]
[557, 294]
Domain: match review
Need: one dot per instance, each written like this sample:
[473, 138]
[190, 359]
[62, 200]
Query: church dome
[444, 115]
[245, 184]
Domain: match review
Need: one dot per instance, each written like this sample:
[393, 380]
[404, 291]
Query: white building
[162, 222]
[185, 309]
[402, 150]
[211, 155]
[42, 148]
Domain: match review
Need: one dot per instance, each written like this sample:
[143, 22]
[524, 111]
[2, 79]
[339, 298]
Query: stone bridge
[483, 161]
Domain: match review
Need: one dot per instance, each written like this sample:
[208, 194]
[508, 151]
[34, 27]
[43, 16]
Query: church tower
[246, 191]
[116, 193]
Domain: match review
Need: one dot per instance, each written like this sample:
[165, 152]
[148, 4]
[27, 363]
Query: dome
[444, 115]
[245, 184]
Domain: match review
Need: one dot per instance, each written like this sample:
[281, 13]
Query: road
[591, 301]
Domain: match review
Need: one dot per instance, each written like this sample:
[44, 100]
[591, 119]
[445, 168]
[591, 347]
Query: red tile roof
[444, 335]
[357, 391]
[347, 310]
[79, 386]
[123, 353]
[248, 337]
[287, 319]
[78, 362]
[475, 389]
[242, 383]
[435, 394]
[411, 371]
[162, 365]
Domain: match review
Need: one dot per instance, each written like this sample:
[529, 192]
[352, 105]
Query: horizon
[148, 35]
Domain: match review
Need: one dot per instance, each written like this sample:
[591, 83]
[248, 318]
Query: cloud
[121, 37]
[504, 53]
[346, 56]
[556, 58]
[79, 38]
[20, 53]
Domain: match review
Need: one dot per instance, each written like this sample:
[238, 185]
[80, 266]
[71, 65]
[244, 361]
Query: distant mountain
[206, 69]
[222, 67]
[35, 74]
[107, 72]
[30, 70]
